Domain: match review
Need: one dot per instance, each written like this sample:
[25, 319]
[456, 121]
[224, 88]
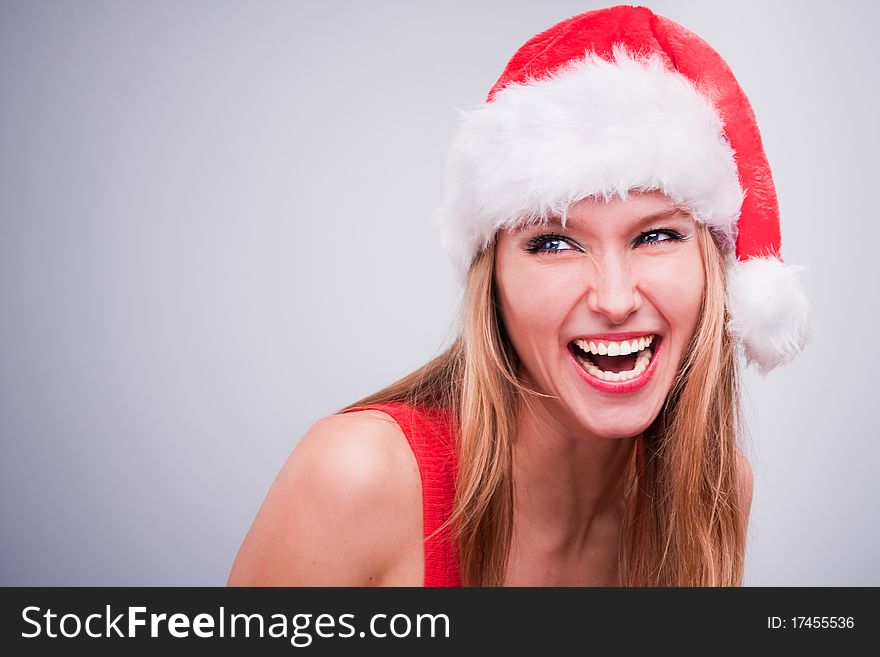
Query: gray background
[215, 227]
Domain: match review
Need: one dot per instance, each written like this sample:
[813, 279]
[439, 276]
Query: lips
[613, 371]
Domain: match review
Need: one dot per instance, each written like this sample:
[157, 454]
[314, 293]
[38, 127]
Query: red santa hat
[621, 99]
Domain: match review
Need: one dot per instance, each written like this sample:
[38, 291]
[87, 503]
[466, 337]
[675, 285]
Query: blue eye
[552, 243]
[659, 236]
[548, 243]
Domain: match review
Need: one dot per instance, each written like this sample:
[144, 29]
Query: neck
[568, 483]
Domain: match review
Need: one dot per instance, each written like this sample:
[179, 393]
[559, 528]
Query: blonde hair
[682, 523]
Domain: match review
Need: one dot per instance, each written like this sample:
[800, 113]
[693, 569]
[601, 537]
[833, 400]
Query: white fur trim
[595, 128]
[769, 312]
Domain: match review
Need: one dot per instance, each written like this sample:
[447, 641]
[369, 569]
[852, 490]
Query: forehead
[607, 214]
[605, 220]
[634, 218]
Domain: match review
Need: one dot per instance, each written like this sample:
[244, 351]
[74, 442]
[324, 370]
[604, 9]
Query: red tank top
[430, 433]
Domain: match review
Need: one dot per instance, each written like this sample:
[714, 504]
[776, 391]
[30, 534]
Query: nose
[614, 293]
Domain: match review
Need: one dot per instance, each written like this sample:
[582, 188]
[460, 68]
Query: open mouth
[611, 360]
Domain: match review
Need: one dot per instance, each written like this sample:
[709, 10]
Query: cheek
[677, 286]
[532, 306]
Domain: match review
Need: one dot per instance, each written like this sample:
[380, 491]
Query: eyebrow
[662, 215]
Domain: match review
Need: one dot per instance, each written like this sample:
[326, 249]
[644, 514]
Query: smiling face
[622, 276]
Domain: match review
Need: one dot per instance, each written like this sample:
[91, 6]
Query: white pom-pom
[769, 312]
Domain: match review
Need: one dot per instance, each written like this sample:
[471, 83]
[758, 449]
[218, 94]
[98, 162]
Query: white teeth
[612, 348]
[642, 362]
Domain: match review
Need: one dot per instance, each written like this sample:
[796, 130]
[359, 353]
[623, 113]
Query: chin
[618, 429]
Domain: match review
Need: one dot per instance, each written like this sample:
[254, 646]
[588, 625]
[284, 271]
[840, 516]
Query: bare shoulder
[343, 511]
[746, 482]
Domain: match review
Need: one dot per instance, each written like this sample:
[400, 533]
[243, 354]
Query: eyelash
[534, 245]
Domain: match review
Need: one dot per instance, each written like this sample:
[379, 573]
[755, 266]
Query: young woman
[612, 216]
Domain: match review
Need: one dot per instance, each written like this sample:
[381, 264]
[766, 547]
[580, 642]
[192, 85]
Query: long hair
[682, 523]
